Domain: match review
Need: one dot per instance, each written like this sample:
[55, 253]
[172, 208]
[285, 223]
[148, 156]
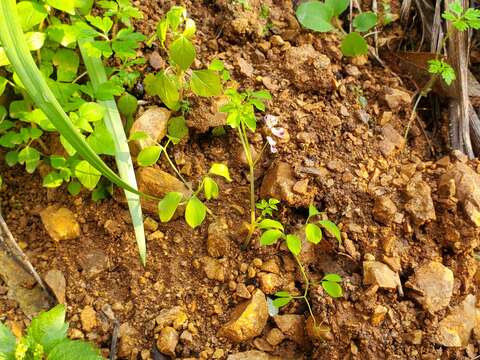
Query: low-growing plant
[324, 17]
[45, 338]
[175, 33]
[274, 231]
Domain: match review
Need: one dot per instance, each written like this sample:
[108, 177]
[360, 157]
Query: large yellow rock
[60, 223]
[248, 319]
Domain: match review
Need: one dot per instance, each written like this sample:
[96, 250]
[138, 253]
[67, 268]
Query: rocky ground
[409, 212]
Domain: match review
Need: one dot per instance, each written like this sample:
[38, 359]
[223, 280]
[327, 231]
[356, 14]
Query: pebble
[93, 263]
[154, 123]
[128, 336]
[218, 241]
[377, 273]
[167, 341]
[420, 206]
[242, 291]
[293, 326]
[384, 210]
[88, 317]
[57, 283]
[174, 316]
[278, 183]
[213, 269]
[378, 314]
[397, 99]
[275, 336]
[60, 223]
[270, 283]
[392, 141]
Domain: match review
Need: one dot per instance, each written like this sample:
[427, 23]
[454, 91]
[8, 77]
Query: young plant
[45, 338]
[175, 32]
[274, 231]
[241, 117]
[324, 17]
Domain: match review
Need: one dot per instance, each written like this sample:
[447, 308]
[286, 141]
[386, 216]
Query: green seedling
[176, 32]
[274, 231]
[324, 17]
[45, 338]
[241, 117]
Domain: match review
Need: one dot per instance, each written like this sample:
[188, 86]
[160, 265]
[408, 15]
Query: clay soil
[336, 147]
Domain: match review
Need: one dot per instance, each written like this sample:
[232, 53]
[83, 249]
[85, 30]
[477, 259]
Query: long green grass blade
[16, 48]
[97, 75]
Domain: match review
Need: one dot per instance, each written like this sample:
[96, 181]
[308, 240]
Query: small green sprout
[462, 19]
[442, 68]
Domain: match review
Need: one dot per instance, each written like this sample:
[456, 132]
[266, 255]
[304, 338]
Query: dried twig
[114, 345]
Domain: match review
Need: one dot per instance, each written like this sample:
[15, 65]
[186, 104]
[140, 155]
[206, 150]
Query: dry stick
[114, 345]
[7, 238]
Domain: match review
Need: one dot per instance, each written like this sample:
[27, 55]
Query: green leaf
[7, 343]
[74, 188]
[195, 212]
[210, 188]
[149, 155]
[168, 205]
[3, 85]
[294, 244]
[49, 328]
[442, 68]
[52, 180]
[57, 161]
[31, 14]
[87, 175]
[270, 224]
[190, 28]
[205, 83]
[332, 288]
[332, 228]
[365, 21]
[337, 6]
[138, 135]
[11, 158]
[332, 277]
[164, 87]
[67, 62]
[216, 65]
[270, 237]
[104, 24]
[127, 104]
[312, 211]
[91, 111]
[162, 28]
[35, 40]
[313, 233]
[262, 94]
[182, 52]
[74, 350]
[177, 128]
[354, 44]
[315, 15]
[30, 157]
[220, 170]
[84, 6]
[64, 5]
[175, 16]
[282, 294]
[282, 301]
[101, 141]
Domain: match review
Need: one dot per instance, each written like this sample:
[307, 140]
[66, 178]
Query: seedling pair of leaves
[46, 338]
[175, 33]
[323, 17]
[195, 210]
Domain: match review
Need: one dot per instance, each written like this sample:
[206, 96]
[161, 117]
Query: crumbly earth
[345, 156]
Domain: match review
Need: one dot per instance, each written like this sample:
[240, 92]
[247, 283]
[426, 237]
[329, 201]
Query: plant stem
[307, 287]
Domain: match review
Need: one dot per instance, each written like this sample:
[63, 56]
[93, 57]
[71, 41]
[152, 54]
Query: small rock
[88, 317]
[278, 183]
[156, 61]
[293, 326]
[378, 314]
[186, 337]
[150, 224]
[245, 67]
[319, 332]
[154, 123]
[301, 187]
[270, 283]
[93, 262]
[129, 337]
[391, 141]
[456, 328]
[377, 273]
[218, 354]
[157, 183]
[420, 206]
[57, 283]
[275, 337]
[218, 241]
[175, 317]
[271, 266]
[60, 223]
[242, 291]
[247, 320]
[252, 355]
[384, 210]
[213, 269]
[277, 40]
[397, 99]
[434, 283]
[167, 341]
[415, 337]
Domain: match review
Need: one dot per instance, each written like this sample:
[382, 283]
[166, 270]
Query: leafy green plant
[323, 17]
[46, 338]
[175, 32]
[274, 231]
[241, 117]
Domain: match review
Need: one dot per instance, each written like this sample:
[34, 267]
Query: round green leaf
[30, 157]
[182, 52]
[333, 277]
[149, 155]
[91, 111]
[354, 45]
[64, 5]
[270, 224]
[313, 233]
[74, 188]
[127, 104]
[87, 174]
[205, 83]
[11, 158]
[210, 188]
[365, 21]
[195, 212]
[294, 244]
[312, 211]
[315, 15]
[332, 228]
[282, 301]
[337, 6]
[168, 205]
[332, 288]
[52, 180]
[270, 237]
[177, 128]
[163, 86]
[31, 14]
[220, 170]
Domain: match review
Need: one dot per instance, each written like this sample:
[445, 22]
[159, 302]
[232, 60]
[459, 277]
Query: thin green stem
[307, 288]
